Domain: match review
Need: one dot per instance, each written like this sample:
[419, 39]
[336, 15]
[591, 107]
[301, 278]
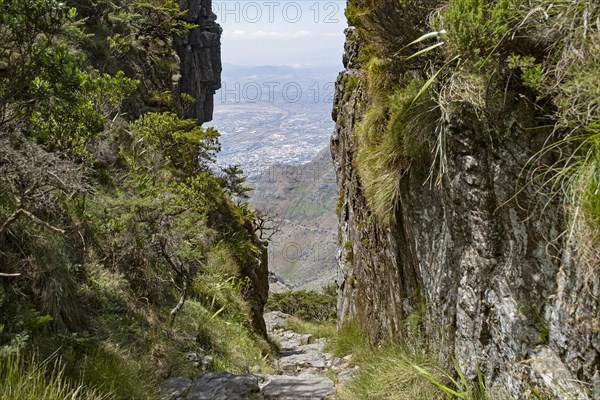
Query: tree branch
[5, 275]
[10, 220]
[179, 270]
[265, 225]
[21, 211]
[180, 303]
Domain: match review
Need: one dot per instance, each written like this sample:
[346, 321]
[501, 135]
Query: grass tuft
[316, 329]
[234, 347]
[391, 136]
[32, 379]
[347, 340]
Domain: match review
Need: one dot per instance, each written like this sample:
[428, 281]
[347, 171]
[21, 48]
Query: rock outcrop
[199, 53]
[480, 252]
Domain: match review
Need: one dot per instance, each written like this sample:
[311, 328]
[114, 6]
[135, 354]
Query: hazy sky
[294, 33]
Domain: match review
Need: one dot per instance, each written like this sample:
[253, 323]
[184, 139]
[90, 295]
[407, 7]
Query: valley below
[275, 122]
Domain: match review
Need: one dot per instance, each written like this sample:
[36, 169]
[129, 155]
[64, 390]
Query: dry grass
[391, 136]
[570, 79]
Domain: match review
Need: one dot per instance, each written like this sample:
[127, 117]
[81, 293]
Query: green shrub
[476, 27]
[531, 72]
[305, 304]
[110, 214]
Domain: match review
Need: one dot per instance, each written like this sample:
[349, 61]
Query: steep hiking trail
[303, 371]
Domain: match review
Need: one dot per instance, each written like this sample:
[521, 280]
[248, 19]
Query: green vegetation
[391, 135]
[476, 27]
[384, 372]
[511, 66]
[347, 340]
[120, 248]
[27, 379]
[561, 81]
[306, 304]
[350, 86]
[443, 61]
[349, 250]
[235, 348]
[320, 329]
[401, 371]
[398, 123]
[340, 204]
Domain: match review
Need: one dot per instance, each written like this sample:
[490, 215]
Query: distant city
[273, 115]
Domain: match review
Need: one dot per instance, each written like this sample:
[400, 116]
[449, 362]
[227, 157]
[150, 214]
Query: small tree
[266, 225]
[232, 180]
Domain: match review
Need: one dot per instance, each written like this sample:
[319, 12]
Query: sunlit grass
[31, 379]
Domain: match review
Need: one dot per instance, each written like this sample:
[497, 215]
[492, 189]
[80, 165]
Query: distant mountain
[276, 123]
[303, 254]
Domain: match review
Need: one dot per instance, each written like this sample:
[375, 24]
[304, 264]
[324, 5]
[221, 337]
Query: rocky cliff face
[482, 251]
[199, 53]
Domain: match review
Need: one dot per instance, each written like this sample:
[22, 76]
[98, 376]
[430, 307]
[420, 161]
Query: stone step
[226, 386]
[282, 387]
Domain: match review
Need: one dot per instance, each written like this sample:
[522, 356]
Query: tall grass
[30, 379]
[570, 79]
[392, 135]
[233, 345]
[403, 371]
[347, 340]
[384, 372]
[120, 372]
[393, 372]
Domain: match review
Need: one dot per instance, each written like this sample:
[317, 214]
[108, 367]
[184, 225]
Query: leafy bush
[112, 221]
[476, 27]
[305, 304]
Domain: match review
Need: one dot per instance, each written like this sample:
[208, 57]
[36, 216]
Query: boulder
[308, 387]
[223, 386]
